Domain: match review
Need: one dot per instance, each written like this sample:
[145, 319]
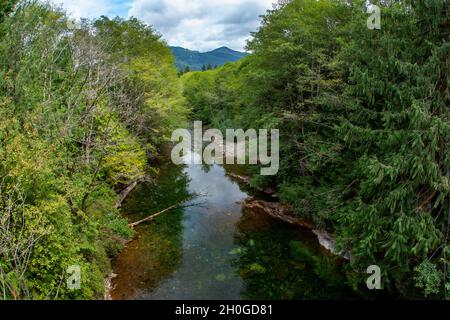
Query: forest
[82, 110]
[364, 123]
[364, 120]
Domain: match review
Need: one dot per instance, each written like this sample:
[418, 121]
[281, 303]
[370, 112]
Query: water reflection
[157, 250]
[217, 251]
[205, 271]
[279, 261]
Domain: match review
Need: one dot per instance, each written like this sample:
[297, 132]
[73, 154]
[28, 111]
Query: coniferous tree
[397, 132]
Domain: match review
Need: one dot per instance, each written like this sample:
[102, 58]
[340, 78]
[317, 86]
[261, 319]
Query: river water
[215, 249]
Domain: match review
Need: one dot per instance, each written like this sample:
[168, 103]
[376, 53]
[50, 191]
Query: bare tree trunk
[153, 216]
[124, 194]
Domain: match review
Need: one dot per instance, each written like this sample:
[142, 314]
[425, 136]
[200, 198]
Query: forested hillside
[82, 109]
[365, 127]
[188, 60]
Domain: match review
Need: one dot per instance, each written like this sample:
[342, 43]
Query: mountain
[196, 60]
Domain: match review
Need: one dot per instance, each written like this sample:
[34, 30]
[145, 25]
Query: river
[215, 249]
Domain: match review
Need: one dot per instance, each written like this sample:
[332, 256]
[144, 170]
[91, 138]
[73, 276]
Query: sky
[200, 25]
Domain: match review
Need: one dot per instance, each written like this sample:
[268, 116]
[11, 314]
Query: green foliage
[69, 140]
[428, 278]
[364, 122]
[157, 106]
[291, 81]
[364, 135]
[397, 130]
[125, 159]
[6, 6]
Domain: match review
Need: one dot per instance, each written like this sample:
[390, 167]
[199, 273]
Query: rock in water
[327, 241]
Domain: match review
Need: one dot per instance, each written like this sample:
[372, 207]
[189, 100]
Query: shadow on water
[218, 250]
[157, 249]
[280, 261]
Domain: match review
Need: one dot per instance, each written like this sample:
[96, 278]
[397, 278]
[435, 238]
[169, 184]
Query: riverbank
[286, 213]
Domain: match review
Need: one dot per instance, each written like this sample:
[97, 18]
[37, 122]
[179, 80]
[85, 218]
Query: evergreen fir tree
[397, 134]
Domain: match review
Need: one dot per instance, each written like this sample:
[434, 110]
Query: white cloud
[202, 24]
[194, 24]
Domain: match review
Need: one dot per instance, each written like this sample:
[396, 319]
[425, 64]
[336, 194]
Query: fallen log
[240, 178]
[153, 216]
[277, 211]
[175, 206]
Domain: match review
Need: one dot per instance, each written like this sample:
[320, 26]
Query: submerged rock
[257, 268]
[221, 277]
[252, 270]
